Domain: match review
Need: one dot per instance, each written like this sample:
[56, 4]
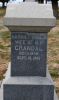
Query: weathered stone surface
[28, 54]
[28, 92]
[34, 88]
[13, 82]
[1, 95]
[29, 14]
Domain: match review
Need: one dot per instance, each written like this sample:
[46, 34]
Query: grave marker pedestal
[30, 79]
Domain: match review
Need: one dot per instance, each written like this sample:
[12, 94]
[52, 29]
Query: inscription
[28, 46]
[28, 54]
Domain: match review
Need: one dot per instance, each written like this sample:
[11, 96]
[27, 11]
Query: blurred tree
[54, 6]
[41, 1]
[3, 1]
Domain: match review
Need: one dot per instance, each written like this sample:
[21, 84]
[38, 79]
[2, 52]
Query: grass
[5, 49]
[53, 55]
[54, 73]
[2, 11]
[5, 45]
[2, 47]
[2, 77]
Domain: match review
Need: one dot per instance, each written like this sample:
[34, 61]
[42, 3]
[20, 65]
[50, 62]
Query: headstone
[30, 79]
[29, 49]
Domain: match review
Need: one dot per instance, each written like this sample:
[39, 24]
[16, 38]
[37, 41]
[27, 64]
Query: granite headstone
[29, 28]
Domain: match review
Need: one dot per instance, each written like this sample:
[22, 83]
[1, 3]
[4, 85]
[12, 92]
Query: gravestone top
[29, 14]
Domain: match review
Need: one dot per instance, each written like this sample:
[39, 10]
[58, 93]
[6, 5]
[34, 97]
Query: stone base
[29, 88]
[1, 95]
